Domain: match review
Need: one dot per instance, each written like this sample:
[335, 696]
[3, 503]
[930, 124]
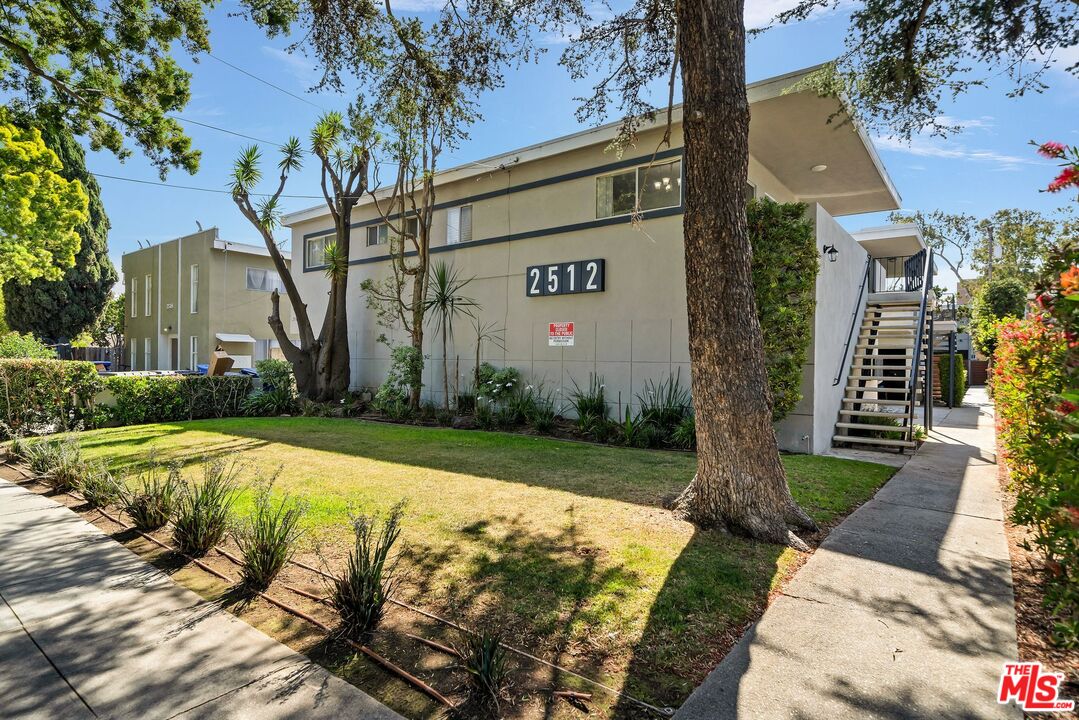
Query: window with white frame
[263, 280]
[751, 191]
[132, 351]
[147, 358]
[658, 186]
[459, 225]
[134, 297]
[149, 309]
[380, 234]
[194, 342]
[315, 250]
[194, 288]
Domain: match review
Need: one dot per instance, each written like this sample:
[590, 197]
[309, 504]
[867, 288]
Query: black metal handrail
[926, 285]
[853, 321]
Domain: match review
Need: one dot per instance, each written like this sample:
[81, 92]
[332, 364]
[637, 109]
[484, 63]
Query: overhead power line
[267, 82]
[198, 189]
[225, 130]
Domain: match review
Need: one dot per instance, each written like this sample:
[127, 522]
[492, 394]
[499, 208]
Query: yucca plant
[203, 509]
[360, 593]
[486, 660]
[685, 434]
[66, 466]
[267, 538]
[42, 455]
[665, 404]
[98, 485]
[18, 448]
[589, 404]
[151, 498]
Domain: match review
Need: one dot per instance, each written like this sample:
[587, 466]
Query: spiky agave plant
[485, 659]
[99, 486]
[370, 577]
[204, 509]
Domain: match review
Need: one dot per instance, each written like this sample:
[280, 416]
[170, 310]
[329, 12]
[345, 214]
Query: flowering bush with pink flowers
[1036, 384]
[1069, 155]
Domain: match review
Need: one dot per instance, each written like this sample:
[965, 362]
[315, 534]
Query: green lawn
[566, 542]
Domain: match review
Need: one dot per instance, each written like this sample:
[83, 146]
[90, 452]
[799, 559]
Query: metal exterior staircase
[886, 380]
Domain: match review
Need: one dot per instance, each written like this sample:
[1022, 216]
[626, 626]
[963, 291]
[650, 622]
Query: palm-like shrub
[151, 497]
[268, 537]
[360, 593]
[204, 508]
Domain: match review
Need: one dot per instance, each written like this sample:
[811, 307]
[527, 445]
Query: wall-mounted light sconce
[830, 252]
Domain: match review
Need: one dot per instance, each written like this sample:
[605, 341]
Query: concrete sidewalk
[87, 629]
[906, 609]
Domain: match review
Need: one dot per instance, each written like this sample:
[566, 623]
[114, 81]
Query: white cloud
[983, 123]
[951, 150]
[759, 13]
[298, 66]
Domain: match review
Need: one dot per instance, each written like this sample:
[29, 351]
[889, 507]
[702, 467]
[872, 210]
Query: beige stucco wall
[225, 304]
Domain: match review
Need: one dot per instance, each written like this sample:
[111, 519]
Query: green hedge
[785, 266]
[944, 364]
[43, 396]
[147, 399]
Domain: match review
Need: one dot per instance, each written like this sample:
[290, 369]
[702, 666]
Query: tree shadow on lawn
[642, 477]
[577, 606]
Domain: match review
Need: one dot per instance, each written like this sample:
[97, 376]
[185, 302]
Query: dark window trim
[576, 175]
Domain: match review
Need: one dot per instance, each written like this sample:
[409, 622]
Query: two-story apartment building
[188, 296]
[557, 261]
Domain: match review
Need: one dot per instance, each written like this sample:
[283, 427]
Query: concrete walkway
[905, 611]
[87, 629]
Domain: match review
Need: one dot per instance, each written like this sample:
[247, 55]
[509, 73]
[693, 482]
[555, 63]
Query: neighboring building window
[378, 234]
[751, 191]
[659, 186]
[459, 225]
[134, 297]
[194, 289]
[149, 309]
[147, 359]
[194, 352]
[316, 250]
[132, 351]
[263, 280]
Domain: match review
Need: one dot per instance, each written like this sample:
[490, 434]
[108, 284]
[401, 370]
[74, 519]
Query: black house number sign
[568, 278]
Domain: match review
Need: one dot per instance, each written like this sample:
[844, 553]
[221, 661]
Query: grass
[566, 544]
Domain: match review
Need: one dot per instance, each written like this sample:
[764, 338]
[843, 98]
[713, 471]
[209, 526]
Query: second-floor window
[134, 297]
[148, 310]
[459, 225]
[315, 249]
[263, 280]
[380, 234]
[659, 186]
[194, 289]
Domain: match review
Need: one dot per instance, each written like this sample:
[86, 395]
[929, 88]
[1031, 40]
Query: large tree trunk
[740, 483]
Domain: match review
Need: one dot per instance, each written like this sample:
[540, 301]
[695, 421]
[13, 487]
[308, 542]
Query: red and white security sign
[560, 334]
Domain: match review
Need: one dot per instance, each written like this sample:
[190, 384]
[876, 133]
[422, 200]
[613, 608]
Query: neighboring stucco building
[185, 297]
[546, 233]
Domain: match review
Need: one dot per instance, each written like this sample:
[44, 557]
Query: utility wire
[199, 189]
[224, 130]
[267, 82]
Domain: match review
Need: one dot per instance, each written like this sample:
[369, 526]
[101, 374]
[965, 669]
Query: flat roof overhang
[790, 133]
[898, 240]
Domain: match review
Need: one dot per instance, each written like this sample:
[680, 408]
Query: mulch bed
[1033, 624]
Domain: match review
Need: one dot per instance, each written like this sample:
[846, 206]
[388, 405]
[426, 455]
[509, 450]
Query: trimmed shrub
[496, 384]
[16, 345]
[1036, 390]
[785, 267]
[268, 537]
[944, 364]
[165, 398]
[360, 594]
[38, 397]
[276, 374]
[995, 301]
[153, 497]
[203, 509]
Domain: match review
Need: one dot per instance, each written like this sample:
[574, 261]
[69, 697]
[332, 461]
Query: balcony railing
[901, 273]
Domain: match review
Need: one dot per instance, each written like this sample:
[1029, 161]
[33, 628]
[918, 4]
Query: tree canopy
[39, 209]
[904, 59]
[64, 308]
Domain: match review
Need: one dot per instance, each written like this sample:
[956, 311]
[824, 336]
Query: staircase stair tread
[873, 441]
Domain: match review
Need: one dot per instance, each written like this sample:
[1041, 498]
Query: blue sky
[987, 167]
